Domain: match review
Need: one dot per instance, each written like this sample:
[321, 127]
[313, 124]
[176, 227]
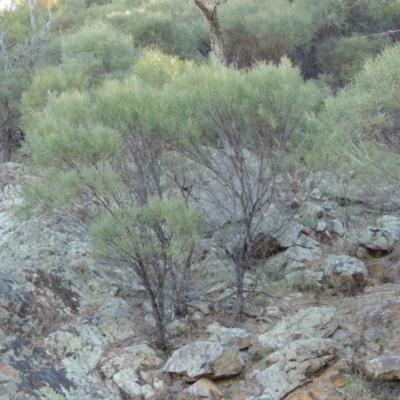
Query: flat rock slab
[387, 368]
[320, 322]
[205, 359]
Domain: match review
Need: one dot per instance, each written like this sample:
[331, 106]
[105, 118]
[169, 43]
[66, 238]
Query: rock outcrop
[205, 359]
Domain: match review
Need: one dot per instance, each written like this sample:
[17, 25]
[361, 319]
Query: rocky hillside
[322, 322]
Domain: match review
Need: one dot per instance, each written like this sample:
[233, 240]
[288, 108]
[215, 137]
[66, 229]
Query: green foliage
[131, 107]
[99, 51]
[269, 30]
[111, 235]
[172, 26]
[12, 84]
[156, 68]
[52, 80]
[357, 125]
[15, 26]
[260, 31]
[341, 58]
[270, 99]
[15, 22]
[65, 134]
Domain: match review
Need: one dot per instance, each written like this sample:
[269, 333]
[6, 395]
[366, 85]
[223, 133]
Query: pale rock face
[204, 359]
[319, 322]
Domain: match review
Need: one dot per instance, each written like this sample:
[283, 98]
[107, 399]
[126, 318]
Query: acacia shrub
[95, 53]
[340, 59]
[99, 50]
[358, 128]
[238, 128]
[172, 26]
[100, 161]
[267, 31]
[275, 97]
[156, 68]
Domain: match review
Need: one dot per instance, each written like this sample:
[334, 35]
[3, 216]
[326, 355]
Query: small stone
[316, 194]
[362, 253]
[338, 227]
[201, 306]
[202, 389]
[176, 327]
[321, 226]
[197, 316]
[371, 334]
[273, 312]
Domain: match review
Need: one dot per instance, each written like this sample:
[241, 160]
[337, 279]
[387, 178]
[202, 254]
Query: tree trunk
[239, 292]
[216, 36]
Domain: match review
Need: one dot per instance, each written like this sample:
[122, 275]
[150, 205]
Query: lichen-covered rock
[311, 212]
[205, 359]
[198, 305]
[273, 228]
[234, 337]
[391, 224]
[386, 368]
[177, 327]
[130, 384]
[374, 238]
[113, 320]
[273, 232]
[293, 364]
[80, 348]
[344, 273]
[295, 257]
[303, 280]
[319, 322]
[133, 357]
[338, 228]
